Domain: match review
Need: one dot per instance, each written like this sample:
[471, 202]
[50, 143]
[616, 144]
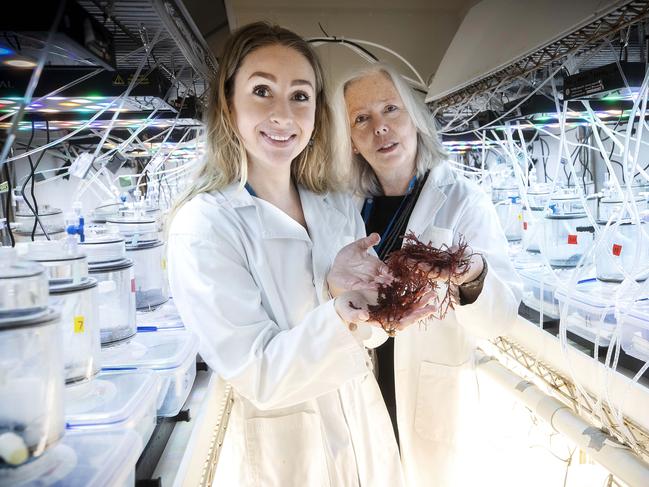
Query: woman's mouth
[389, 147]
[278, 140]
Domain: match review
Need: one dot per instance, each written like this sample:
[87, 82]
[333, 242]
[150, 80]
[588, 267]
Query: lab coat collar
[319, 212]
[431, 198]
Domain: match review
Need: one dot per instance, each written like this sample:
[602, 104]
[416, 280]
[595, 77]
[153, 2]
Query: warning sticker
[572, 239]
[617, 249]
[524, 225]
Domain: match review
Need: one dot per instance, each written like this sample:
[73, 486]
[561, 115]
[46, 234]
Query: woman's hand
[352, 307]
[472, 270]
[354, 268]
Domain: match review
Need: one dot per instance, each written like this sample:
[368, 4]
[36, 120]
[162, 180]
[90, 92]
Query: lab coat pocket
[437, 236]
[287, 450]
[438, 392]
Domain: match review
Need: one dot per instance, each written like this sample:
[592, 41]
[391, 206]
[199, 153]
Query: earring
[355, 150]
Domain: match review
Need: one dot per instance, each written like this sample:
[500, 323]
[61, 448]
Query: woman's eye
[261, 90]
[301, 96]
[360, 119]
[391, 108]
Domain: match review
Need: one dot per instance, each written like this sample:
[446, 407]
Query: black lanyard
[390, 235]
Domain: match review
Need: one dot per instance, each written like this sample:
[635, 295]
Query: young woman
[249, 251]
[398, 169]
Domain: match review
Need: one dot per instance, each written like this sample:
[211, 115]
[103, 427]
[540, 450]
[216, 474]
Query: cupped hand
[352, 307]
[471, 271]
[354, 268]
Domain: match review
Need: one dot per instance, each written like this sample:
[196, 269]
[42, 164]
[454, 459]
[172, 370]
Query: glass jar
[115, 274]
[510, 215]
[73, 295]
[566, 238]
[613, 206]
[31, 363]
[50, 218]
[532, 228]
[623, 248]
[148, 254]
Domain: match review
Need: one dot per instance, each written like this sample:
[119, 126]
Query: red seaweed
[411, 268]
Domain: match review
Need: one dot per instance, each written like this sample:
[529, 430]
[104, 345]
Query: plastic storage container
[81, 460]
[538, 195]
[510, 215]
[31, 364]
[72, 294]
[623, 248]
[172, 355]
[148, 253]
[114, 401]
[539, 286]
[590, 311]
[107, 263]
[165, 318]
[635, 331]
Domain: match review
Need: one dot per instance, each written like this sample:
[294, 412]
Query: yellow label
[79, 326]
[520, 217]
[163, 264]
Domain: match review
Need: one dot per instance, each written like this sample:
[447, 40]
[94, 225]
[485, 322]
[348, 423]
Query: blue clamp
[514, 199]
[77, 229]
[553, 207]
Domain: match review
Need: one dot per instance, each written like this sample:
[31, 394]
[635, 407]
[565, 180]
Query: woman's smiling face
[273, 105]
[381, 128]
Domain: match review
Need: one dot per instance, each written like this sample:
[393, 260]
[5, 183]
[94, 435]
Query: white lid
[53, 251]
[157, 351]
[537, 275]
[104, 248]
[110, 399]
[81, 459]
[527, 260]
[590, 293]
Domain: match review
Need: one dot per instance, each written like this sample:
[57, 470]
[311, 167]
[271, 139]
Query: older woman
[425, 373]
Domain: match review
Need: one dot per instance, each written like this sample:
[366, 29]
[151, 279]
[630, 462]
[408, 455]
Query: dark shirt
[383, 210]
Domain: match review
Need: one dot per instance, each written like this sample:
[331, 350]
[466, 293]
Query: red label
[572, 239]
[133, 285]
[617, 249]
[524, 225]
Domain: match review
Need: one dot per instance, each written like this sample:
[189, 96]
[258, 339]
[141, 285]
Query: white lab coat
[436, 393]
[250, 282]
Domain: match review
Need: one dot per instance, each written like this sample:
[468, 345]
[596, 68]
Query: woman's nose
[281, 113]
[381, 129]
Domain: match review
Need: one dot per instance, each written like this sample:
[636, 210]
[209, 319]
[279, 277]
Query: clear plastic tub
[115, 275]
[114, 401]
[172, 355]
[590, 310]
[564, 240]
[31, 386]
[635, 331]
[623, 248]
[165, 318]
[64, 263]
[532, 231]
[510, 215]
[539, 285]
[81, 460]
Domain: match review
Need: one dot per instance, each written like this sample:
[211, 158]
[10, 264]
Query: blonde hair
[225, 160]
[430, 151]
